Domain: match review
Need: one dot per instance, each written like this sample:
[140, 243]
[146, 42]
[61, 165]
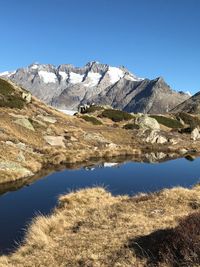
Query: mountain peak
[66, 86]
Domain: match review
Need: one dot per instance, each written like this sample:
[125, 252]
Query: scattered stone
[73, 139]
[9, 143]
[183, 151]
[25, 123]
[146, 122]
[20, 146]
[195, 135]
[173, 141]
[111, 145]
[55, 140]
[181, 121]
[47, 118]
[161, 140]
[154, 137]
[27, 97]
[15, 167]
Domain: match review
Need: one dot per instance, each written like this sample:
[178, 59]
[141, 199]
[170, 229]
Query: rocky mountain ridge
[191, 105]
[66, 87]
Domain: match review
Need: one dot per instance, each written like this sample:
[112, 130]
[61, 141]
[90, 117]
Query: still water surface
[17, 208]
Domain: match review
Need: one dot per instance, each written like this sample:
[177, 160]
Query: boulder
[154, 137]
[173, 141]
[146, 122]
[161, 140]
[183, 151]
[55, 140]
[195, 135]
[25, 123]
[15, 167]
[27, 97]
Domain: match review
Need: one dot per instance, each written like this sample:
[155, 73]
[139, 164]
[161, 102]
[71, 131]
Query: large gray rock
[146, 122]
[66, 87]
[155, 137]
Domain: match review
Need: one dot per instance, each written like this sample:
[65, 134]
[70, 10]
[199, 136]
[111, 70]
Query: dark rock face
[66, 87]
[191, 105]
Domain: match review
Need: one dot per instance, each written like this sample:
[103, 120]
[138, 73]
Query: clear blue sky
[150, 37]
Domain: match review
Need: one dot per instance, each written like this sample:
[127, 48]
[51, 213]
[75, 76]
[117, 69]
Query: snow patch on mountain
[115, 74]
[47, 77]
[64, 75]
[4, 73]
[75, 78]
[188, 92]
[7, 73]
[34, 67]
[92, 79]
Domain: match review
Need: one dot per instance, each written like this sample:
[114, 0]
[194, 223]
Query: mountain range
[191, 105]
[67, 87]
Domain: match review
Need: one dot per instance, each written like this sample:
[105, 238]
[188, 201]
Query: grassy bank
[93, 228]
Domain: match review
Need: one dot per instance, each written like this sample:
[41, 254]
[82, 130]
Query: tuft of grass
[91, 119]
[93, 109]
[168, 122]
[116, 115]
[179, 246]
[131, 126]
[9, 98]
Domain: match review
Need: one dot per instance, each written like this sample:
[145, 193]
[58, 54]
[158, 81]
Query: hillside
[34, 136]
[191, 105]
[66, 87]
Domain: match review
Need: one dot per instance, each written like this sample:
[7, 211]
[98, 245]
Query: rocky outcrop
[15, 168]
[27, 97]
[66, 87]
[146, 122]
[155, 138]
[195, 135]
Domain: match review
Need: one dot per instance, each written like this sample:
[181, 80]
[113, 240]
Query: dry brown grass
[93, 228]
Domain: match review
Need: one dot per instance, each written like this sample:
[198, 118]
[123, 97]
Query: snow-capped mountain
[66, 87]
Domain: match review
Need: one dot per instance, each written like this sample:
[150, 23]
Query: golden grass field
[91, 227]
